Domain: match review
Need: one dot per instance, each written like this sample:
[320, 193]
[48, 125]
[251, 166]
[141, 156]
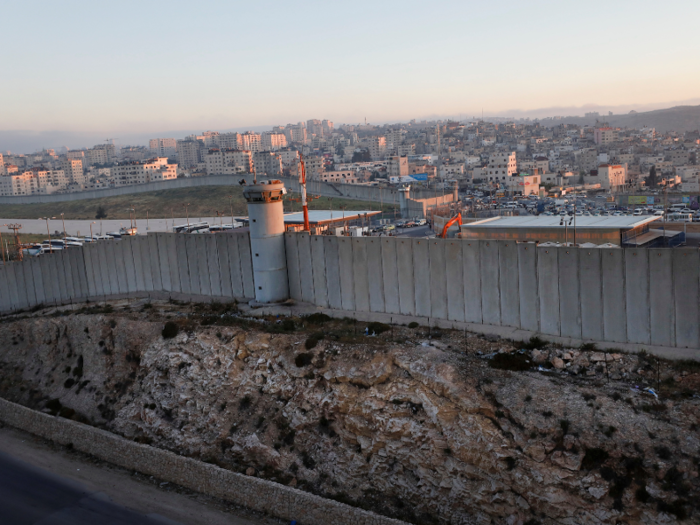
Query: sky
[82, 68]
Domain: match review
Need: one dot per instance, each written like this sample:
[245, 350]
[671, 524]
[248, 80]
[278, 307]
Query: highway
[30, 495]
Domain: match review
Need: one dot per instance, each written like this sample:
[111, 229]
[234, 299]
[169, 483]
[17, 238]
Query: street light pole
[92, 239]
[188, 214]
[64, 227]
[230, 201]
[48, 231]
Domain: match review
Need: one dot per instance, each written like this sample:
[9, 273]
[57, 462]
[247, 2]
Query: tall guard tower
[266, 220]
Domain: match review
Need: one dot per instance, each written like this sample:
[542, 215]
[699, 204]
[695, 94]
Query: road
[43, 484]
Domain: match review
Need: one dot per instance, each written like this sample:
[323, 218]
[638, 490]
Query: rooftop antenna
[304, 204]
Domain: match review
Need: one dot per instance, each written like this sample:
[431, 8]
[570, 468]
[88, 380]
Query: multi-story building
[251, 141]
[377, 147]
[611, 177]
[500, 167]
[189, 153]
[341, 177]
[397, 166]
[296, 134]
[163, 147]
[136, 172]
[267, 163]
[3, 170]
[289, 157]
[327, 128]
[273, 141]
[228, 161]
[32, 182]
[314, 127]
[314, 167]
[606, 135]
[73, 169]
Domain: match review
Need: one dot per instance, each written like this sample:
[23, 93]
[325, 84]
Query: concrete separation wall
[216, 267]
[636, 296]
[258, 494]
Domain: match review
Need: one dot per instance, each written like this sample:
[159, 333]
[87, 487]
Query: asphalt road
[33, 496]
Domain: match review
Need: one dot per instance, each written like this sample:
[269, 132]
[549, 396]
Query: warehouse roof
[553, 221]
[327, 216]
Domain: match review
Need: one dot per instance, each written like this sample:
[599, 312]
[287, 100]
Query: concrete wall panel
[176, 259]
[318, 263]
[44, 265]
[345, 267]
[164, 261]
[685, 277]
[29, 285]
[375, 275]
[490, 283]
[359, 269]
[108, 267]
[128, 254]
[214, 270]
[509, 284]
[528, 288]
[591, 289]
[224, 270]
[471, 271]
[139, 270]
[151, 256]
[407, 287]
[421, 276]
[22, 296]
[5, 304]
[120, 260]
[234, 260]
[438, 278]
[548, 282]
[614, 307]
[59, 265]
[662, 320]
[291, 245]
[454, 267]
[88, 254]
[77, 265]
[306, 268]
[183, 269]
[330, 253]
[194, 263]
[39, 292]
[203, 263]
[637, 295]
[246, 265]
[390, 276]
[569, 292]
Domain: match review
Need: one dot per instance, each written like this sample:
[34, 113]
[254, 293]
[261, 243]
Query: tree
[361, 156]
[101, 213]
[652, 179]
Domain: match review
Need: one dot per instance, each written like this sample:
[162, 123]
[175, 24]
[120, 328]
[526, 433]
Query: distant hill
[679, 118]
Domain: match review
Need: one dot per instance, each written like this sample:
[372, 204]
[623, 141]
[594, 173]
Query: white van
[679, 217]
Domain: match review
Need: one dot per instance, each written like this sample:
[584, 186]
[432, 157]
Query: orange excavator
[456, 219]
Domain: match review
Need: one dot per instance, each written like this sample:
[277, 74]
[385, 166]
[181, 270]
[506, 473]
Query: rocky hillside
[424, 426]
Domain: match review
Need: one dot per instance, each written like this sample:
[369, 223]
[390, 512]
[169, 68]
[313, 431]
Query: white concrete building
[189, 153]
[142, 172]
[267, 163]
[73, 169]
[163, 147]
[273, 141]
[228, 162]
[500, 167]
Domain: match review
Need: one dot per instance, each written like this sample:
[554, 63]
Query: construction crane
[456, 219]
[304, 204]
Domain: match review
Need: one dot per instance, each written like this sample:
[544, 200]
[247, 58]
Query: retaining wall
[212, 267]
[642, 297]
[254, 493]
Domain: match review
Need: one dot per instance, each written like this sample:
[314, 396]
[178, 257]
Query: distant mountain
[678, 118]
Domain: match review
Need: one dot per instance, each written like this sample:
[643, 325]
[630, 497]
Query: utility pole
[188, 215]
[16, 228]
[230, 201]
[64, 227]
[47, 230]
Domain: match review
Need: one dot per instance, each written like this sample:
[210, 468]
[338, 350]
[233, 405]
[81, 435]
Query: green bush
[413, 324]
[303, 360]
[317, 318]
[310, 343]
[170, 330]
[514, 362]
[378, 328]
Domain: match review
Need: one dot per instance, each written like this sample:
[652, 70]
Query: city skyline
[347, 63]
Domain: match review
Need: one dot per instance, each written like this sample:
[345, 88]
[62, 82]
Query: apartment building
[611, 177]
[500, 167]
[189, 153]
[273, 141]
[73, 169]
[136, 172]
[314, 167]
[397, 167]
[228, 161]
[289, 157]
[341, 177]
[251, 141]
[163, 147]
[267, 163]
[377, 147]
[296, 133]
[33, 182]
[606, 135]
